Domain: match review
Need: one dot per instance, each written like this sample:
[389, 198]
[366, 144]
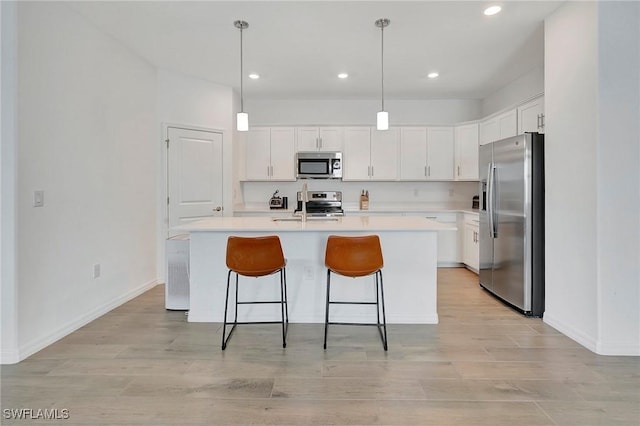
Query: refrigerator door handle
[494, 197]
[491, 182]
[489, 197]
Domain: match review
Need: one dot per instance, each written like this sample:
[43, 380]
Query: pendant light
[242, 118]
[382, 120]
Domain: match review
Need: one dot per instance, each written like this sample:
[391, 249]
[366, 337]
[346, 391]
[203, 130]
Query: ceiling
[299, 47]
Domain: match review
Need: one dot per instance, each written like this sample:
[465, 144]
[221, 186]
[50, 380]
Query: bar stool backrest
[255, 256]
[353, 256]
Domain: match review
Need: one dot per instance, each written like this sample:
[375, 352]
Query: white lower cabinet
[471, 255]
[448, 248]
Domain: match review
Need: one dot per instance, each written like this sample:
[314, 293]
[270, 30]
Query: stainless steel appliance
[322, 203]
[512, 221]
[319, 165]
[276, 202]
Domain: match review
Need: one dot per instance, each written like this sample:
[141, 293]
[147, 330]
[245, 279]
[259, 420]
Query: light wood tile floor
[484, 364]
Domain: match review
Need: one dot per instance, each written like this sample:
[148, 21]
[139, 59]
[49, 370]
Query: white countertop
[340, 224]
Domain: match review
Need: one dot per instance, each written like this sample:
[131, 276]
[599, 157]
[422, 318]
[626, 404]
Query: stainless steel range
[322, 203]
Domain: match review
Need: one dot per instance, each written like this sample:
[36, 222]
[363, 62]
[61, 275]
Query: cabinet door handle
[425, 171]
[428, 170]
[458, 170]
[320, 143]
[372, 172]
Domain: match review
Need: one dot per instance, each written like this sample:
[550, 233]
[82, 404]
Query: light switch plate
[38, 198]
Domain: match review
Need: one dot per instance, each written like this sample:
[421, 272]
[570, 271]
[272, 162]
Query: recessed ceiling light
[254, 76]
[492, 10]
[343, 75]
[433, 75]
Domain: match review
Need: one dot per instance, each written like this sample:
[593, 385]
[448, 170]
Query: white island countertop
[338, 224]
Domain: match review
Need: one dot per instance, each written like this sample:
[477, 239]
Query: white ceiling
[299, 47]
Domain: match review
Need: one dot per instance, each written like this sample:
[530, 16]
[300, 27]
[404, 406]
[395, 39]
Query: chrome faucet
[305, 198]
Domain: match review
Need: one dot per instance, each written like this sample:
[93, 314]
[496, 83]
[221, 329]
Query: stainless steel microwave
[319, 165]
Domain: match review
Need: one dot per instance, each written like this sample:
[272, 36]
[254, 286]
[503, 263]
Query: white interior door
[194, 175]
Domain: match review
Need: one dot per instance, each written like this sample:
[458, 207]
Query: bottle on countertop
[364, 200]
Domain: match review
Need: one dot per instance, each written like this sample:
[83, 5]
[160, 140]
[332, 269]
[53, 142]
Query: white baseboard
[9, 357]
[617, 348]
[209, 316]
[40, 343]
[569, 331]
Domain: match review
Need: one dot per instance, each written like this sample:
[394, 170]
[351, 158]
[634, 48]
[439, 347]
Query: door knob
[217, 209]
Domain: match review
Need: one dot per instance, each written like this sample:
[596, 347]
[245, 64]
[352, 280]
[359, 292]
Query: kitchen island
[409, 246]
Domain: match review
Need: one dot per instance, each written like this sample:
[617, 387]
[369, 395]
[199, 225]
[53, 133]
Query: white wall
[8, 106]
[361, 112]
[188, 101]
[618, 170]
[526, 87]
[570, 164]
[86, 119]
[592, 168]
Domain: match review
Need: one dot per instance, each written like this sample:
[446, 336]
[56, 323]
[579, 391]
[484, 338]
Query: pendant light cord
[241, 74]
[382, 63]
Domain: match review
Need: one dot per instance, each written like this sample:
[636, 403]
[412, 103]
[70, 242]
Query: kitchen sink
[309, 219]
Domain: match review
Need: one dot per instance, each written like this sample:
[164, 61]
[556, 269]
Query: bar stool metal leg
[226, 305]
[285, 327]
[384, 317]
[326, 313]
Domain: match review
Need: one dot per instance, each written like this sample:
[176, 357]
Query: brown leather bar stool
[256, 257]
[356, 257]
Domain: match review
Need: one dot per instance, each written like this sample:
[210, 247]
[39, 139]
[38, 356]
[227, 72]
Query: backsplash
[379, 192]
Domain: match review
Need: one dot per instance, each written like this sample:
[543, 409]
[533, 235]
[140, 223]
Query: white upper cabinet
[357, 153]
[413, 153]
[440, 153]
[531, 116]
[370, 154]
[258, 154]
[319, 138]
[489, 131]
[426, 153]
[499, 127]
[508, 124]
[466, 155]
[270, 153]
[384, 154]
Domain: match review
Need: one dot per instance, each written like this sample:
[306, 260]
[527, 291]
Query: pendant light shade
[242, 121]
[242, 118]
[382, 120]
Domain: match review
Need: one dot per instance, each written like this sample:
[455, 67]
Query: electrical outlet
[38, 198]
[96, 270]
[308, 273]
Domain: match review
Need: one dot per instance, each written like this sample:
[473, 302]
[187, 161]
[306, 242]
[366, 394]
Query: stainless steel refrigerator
[512, 221]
